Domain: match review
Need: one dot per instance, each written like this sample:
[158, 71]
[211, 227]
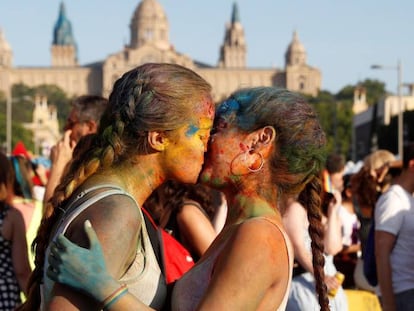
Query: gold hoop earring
[254, 170]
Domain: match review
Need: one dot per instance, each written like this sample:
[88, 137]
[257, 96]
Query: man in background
[83, 119]
[394, 243]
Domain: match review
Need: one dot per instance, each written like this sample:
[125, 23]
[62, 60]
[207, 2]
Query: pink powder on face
[207, 107]
[243, 147]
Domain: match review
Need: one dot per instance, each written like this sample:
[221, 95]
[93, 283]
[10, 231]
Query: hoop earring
[254, 170]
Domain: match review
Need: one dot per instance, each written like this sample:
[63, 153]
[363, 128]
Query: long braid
[91, 153]
[145, 98]
[298, 157]
[310, 198]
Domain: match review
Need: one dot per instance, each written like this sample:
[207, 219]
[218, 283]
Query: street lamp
[8, 123]
[9, 100]
[400, 108]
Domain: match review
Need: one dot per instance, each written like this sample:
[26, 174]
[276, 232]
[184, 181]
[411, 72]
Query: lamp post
[8, 123]
[398, 68]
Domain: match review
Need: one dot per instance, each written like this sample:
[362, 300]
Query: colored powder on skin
[204, 124]
[192, 129]
[243, 147]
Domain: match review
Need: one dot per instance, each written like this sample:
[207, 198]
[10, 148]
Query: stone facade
[150, 43]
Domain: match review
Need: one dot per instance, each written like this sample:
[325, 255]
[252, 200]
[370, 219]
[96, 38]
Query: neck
[139, 177]
[406, 181]
[243, 206]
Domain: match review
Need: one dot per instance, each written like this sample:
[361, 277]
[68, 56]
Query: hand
[62, 152]
[331, 282]
[81, 268]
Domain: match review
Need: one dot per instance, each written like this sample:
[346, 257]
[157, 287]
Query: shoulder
[112, 213]
[14, 214]
[252, 237]
[191, 209]
[260, 234]
[394, 197]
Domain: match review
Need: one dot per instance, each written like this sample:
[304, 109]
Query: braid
[85, 152]
[310, 198]
[144, 99]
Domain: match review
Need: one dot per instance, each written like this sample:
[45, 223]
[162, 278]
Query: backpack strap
[83, 200]
[154, 233]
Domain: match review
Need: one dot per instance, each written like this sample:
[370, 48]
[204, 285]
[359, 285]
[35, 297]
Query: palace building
[149, 42]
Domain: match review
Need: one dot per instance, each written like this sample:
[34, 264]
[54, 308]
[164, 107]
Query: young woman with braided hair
[267, 144]
[156, 127]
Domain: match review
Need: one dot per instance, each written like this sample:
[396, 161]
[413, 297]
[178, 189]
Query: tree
[22, 110]
[55, 96]
[336, 114]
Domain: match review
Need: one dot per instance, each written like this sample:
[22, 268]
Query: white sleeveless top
[191, 287]
[143, 278]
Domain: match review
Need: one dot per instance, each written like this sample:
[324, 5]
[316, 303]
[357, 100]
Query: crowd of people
[228, 181]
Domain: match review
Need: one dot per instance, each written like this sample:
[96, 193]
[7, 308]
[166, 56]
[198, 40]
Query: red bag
[176, 259]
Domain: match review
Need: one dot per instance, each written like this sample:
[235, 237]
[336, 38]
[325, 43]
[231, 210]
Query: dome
[149, 25]
[295, 53]
[4, 45]
[149, 9]
[296, 46]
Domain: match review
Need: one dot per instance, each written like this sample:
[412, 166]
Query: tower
[64, 50]
[295, 54]
[233, 51]
[300, 76]
[149, 24]
[6, 53]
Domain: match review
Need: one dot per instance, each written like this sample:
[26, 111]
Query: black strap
[154, 236]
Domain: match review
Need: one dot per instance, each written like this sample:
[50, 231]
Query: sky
[342, 38]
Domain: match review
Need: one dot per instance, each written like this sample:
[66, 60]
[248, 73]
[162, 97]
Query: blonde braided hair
[149, 97]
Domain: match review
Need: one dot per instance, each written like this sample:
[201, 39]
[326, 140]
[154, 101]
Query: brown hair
[6, 180]
[169, 198]
[149, 97]
[89, 107]
[298, 159]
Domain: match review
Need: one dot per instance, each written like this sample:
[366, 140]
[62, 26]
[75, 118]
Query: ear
[262, 139]
[260, 147]
[157, 140]
[92, 126]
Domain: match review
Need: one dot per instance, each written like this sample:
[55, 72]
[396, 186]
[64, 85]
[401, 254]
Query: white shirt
[394, 213]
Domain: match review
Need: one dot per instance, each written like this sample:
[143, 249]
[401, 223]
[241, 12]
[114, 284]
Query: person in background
[14, 262]
[295, 219]
[155, 128]
[372, 179]
[24, 197]
[346, 260]
[335, 166]
[394, 243]
[185, 211]
[83, 119]
[266, 143]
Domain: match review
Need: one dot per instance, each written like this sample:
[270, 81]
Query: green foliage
[22, 110]
[335, 113]
[56, 96]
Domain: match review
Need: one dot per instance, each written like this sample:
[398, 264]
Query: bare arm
[384, 244]
[85, 269]
[333, 234]
[118, 239]
[196, 229]
[293, 221]
[20, 258]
